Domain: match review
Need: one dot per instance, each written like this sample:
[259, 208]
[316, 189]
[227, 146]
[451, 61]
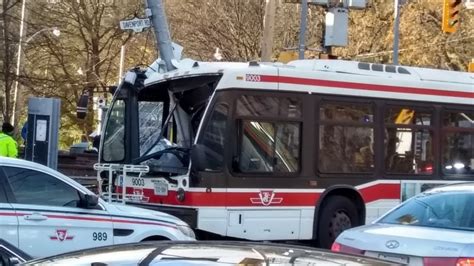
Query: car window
[33, 187]
[453, 210]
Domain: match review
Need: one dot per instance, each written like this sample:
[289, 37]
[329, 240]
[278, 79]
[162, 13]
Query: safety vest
[8, 146]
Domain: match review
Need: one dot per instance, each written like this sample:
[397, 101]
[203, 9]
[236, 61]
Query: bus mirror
[130, 78]
[198, 157]
[112, 89]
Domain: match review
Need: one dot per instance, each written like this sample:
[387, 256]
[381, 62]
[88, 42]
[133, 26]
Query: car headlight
[186, 230]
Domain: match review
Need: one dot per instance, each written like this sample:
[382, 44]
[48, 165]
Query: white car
[435, 227]
[43, 213]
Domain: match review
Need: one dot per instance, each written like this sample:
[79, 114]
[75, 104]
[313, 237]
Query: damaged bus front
[152, 123]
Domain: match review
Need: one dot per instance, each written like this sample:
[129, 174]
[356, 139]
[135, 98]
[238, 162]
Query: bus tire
[337, 214]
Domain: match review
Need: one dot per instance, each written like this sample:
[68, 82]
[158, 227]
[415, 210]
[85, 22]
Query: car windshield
[451, 210]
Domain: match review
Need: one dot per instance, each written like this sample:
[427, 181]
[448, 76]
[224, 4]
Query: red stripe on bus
[380, 191]
[248, 199]
[363, 86]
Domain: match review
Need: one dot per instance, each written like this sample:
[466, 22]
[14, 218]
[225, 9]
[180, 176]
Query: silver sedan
[435, 227]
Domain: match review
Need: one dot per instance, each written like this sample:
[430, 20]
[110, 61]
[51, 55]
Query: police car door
[49, 220]
[8, 219]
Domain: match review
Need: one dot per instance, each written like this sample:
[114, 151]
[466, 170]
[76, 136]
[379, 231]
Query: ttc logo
[61, 235]
[266, 198]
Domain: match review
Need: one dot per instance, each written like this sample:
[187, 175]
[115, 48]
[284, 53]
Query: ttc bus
[297, 151]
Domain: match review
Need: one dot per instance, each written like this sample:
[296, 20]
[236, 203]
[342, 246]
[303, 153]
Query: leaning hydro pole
[156, 12]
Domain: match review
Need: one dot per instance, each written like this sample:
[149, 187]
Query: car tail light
[465, 262]
[336, 247]
[448, 261]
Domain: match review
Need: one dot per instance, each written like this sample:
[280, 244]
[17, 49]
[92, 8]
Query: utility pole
[268, 29]
[156, 12]
[15, 114]
[304, 15]
[396, 34]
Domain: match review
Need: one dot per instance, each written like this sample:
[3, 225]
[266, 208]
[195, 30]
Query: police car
[43, 212]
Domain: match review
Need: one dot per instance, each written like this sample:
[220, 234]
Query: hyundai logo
[392, 244]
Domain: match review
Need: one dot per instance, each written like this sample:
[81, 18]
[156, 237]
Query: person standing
[8, 145]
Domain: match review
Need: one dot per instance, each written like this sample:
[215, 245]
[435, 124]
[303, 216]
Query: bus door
[266, 168]
[208, 174]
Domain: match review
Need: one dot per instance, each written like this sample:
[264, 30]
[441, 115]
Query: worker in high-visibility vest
[8, 145]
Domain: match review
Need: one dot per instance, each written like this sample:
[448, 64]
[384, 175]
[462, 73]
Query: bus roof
[346, 77]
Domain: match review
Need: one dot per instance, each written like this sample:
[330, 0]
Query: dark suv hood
[205, 253]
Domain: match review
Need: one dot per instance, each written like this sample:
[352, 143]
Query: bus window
[458, 156]
[113, 147]
[408, 151]
[408, 141]
[213, 138]
[268, 147]
[459, 119]
[407, 116]
[346, 138]
[458, 143]
[257, 106]
[149, 121]
[264, 142]
[249, 105]
[290, 108]
[346, 112]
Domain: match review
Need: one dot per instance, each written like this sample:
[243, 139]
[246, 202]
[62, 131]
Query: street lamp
[56, 32]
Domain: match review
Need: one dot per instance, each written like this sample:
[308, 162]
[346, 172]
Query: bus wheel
[337, 214]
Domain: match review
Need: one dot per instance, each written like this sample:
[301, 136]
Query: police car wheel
[337, 214]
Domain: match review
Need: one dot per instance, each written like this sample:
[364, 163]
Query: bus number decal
[252, 78]
[139, 182]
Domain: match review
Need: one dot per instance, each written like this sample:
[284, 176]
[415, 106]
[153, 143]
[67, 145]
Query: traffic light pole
[396, 34]
[156, 12]
[304, 15]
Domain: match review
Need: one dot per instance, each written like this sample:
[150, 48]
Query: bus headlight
[187, 231]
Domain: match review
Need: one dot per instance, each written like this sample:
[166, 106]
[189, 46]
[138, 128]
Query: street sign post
[136, 24]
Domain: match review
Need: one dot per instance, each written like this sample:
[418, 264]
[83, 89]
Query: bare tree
[9, 43]
[422, 43]
[84, 58]
[233, 26]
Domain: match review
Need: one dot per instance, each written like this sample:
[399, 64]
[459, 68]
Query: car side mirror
[13, 261]
[90, 201]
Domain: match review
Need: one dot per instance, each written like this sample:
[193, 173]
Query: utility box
[43, 131]
[337, 20]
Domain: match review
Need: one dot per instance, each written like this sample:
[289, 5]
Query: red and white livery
[276, 151]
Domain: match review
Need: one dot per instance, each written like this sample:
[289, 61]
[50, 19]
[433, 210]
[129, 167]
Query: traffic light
[81, 109]
[451, 10]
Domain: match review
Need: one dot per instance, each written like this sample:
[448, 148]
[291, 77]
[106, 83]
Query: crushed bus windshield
[153, 127]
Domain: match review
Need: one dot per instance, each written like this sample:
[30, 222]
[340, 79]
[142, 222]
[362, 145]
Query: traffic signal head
[451, 10]
[81, 109]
